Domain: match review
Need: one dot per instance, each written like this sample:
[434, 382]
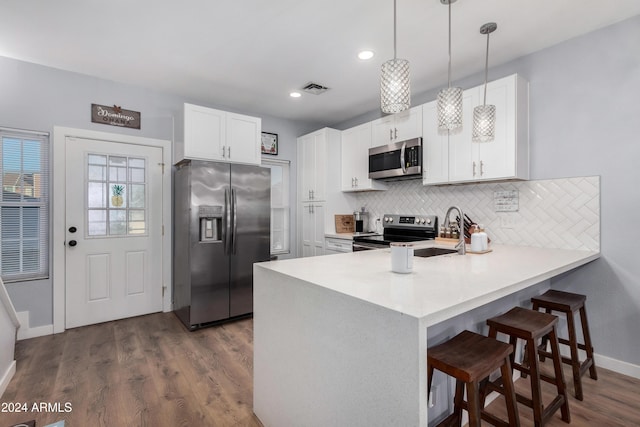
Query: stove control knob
[390, 219]
[428, 220]
[386, 219]
[422, 221]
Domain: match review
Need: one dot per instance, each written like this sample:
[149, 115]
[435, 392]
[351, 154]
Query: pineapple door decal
[116, 195]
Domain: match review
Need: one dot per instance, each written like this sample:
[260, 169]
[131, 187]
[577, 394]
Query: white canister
[401, 257]
[476, 241]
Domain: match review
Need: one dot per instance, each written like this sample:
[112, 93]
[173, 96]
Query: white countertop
[439, 287]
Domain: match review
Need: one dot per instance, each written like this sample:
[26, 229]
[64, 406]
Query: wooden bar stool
[469, 358]
[530, 326]
[569, 304]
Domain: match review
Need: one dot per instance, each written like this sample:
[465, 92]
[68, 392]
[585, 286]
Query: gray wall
[38, 98]
[584, 113]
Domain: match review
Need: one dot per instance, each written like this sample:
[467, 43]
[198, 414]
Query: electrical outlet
[432, 396]
[507, 221]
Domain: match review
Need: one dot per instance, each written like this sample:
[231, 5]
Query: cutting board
[344, 223]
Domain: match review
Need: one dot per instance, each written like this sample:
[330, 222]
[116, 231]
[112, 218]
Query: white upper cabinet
[435, 147]
[243, 139]
[312, 158]
[355, 159]
[463, 154]
[461, 160]
[397, 127]
[217, 135]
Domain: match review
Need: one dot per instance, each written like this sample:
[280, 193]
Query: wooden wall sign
[115, 116]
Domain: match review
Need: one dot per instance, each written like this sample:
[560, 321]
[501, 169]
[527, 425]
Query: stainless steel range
[399, 228]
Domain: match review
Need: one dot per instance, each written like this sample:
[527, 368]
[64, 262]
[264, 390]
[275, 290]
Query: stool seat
[560, 301]
[569, 303]
[469, 358]
[526, 324]
[531, 326]
[466, 356]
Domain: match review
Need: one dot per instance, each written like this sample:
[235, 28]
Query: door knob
[72, 229]
[72, 243]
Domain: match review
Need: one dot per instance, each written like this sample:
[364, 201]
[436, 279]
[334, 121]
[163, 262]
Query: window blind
[24, 206]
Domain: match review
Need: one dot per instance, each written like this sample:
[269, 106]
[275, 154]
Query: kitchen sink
[427, 252]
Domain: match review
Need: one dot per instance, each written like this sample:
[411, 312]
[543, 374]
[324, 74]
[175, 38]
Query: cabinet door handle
[474, 168]
[395, 136]
[313, 194]
[223, 152]
[352, 182]
[481, 168]
[356, 182]
[390, 134]
[228, 151]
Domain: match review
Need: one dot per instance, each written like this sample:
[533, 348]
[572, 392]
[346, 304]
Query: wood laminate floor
[150, 371]
[143, 371]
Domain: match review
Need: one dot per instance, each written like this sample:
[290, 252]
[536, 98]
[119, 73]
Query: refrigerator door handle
[227, 221]
[234, 208]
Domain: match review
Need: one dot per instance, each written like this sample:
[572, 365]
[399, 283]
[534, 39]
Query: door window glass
[116, 196]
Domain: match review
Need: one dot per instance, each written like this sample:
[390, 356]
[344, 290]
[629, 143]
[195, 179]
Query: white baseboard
[618, 366]
[6, 377]
[26, 332]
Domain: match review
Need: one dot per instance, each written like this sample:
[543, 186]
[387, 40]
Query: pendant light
[449, 99]
[395, 86]
[484, 116]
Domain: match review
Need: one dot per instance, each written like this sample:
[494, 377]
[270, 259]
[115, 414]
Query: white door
[113, 231]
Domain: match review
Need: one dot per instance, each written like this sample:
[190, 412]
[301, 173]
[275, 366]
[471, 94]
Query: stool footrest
[567, 342]
[552, 408]
[483, 414]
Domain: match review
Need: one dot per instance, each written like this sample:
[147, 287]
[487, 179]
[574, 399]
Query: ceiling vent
[314, 88]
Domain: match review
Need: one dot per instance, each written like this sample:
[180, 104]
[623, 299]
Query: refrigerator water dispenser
[210, 223]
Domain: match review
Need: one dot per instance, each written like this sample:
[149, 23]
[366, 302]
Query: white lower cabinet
[312, 227]
[337, 246]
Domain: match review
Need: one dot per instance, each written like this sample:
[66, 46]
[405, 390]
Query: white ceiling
[249, 54]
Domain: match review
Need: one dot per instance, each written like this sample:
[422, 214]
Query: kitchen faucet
[460, 245]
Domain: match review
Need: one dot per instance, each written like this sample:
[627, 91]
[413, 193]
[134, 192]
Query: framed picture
[269, 143]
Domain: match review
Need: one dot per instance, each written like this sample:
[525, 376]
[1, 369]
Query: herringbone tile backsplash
[556, 213]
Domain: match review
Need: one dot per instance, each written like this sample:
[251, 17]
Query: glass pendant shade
[484, 123]
[450, 108]
[395, 88]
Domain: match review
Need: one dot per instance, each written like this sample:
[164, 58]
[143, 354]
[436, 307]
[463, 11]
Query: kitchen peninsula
[341, 340]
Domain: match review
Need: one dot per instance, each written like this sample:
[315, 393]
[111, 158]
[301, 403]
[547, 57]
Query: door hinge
[161, 164]
[164, 288]
[163, 230]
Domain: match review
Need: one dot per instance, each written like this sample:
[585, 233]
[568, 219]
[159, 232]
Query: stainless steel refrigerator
[221, 227]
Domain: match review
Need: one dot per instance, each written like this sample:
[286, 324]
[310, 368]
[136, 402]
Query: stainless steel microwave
[396, 161]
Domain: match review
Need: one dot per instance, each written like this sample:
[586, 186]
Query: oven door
[400, 159]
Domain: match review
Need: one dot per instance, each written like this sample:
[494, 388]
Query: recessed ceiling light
[365, 54]
[295, 94]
